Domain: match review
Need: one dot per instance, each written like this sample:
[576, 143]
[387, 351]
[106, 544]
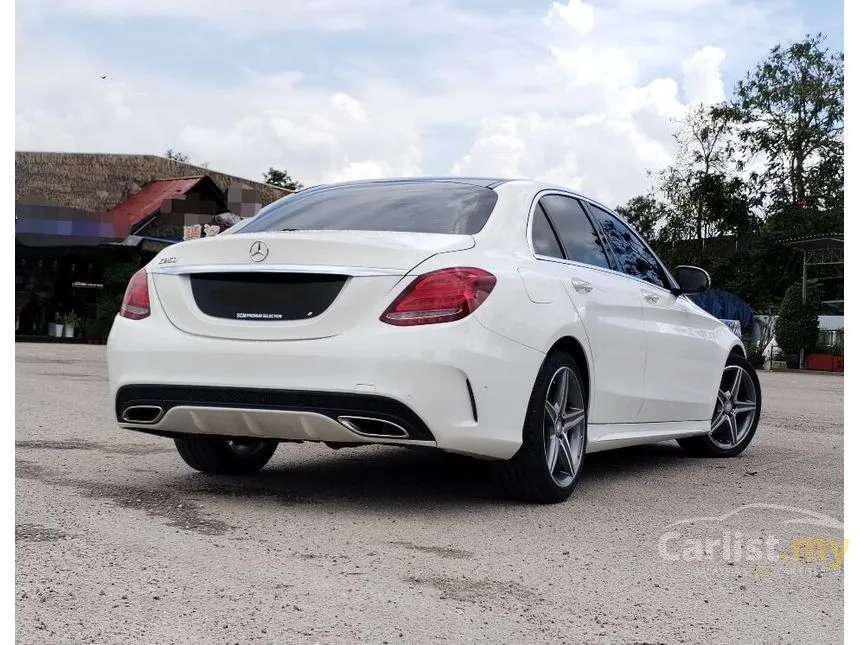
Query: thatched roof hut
[97, 182]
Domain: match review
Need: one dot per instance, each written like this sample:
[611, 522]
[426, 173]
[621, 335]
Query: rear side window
[578, 237]
[633, 256]
[412, 207]
[543, 237]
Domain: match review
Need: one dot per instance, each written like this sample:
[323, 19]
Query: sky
[578, 93]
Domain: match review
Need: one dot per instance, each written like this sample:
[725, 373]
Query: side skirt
[607, 436]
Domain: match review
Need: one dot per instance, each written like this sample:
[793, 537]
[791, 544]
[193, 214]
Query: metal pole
[803, 299]
[803, 283]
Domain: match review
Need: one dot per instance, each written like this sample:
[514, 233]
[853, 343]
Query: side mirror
[691, 280]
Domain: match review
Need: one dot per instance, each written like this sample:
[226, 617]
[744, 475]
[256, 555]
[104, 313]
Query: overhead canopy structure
[819, 251]
[822, 250]
[828, 249]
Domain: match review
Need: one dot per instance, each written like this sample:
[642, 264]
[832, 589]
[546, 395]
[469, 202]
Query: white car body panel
[609, 436]
[613, 324]
[653, 371]
[684, 343]
[424, 368]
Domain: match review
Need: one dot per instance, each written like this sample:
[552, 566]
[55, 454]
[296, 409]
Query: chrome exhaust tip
[372, 427]
[145, 414]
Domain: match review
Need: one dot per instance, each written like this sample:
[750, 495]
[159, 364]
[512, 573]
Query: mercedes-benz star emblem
[259, 251]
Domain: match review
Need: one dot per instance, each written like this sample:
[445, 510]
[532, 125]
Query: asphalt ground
[118, 541]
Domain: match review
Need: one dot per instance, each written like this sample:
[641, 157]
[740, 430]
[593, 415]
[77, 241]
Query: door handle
[653, 298]
[580, 286]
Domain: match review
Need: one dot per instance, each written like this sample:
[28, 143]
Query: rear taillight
[135, 302]
[440, 296]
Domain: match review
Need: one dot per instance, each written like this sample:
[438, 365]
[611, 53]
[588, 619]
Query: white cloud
[605, 152]
[569, 93]
[595, 65]
[349, 105]
[576, 14]
[702, 81]
[356, 170]
[499, 151]
[240, 18]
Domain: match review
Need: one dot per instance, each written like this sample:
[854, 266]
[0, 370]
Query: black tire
[527, 477]
[706, 445]
[225, 456]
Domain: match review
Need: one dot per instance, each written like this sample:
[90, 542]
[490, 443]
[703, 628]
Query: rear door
[683, 352]
[611, 308]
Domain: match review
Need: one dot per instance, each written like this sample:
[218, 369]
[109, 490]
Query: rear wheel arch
[530, 475]
[570, 345]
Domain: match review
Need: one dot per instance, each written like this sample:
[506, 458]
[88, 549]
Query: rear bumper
[459, 386]
[354, 412]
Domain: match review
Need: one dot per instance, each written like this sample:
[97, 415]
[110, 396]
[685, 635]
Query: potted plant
[56, 328]
[70, 321]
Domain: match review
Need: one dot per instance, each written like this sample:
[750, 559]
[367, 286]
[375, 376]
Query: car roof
[482, 182]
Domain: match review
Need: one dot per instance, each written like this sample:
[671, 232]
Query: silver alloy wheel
[564, 426]
[734, 413]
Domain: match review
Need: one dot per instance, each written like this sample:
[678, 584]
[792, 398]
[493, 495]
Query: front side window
[633, 257]
[578, 237]
[403, 206]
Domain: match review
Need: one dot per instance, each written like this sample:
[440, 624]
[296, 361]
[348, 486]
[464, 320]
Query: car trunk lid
[287, 285]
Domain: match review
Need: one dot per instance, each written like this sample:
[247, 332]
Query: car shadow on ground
[386, 477]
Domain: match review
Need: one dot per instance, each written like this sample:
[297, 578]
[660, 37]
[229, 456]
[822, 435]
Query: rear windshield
[411, 207]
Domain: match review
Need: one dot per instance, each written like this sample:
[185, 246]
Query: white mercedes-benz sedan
[509, 320]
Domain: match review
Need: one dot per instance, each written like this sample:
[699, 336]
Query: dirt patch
[240, 488]
[441, 551]
[37, 533]
[481, 592]
[170, 505]
[79, 444]
[30, 470]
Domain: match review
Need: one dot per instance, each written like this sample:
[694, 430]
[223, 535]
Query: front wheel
[548, 465]
[224, 456]
[736, 413]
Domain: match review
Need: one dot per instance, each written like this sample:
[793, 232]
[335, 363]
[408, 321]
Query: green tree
[281, 178]
[790, 109]
[700, 186]
[644, 213]
[796, 327]
[724, 204]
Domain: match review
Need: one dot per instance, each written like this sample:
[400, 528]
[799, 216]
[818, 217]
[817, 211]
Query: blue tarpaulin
[725, 306]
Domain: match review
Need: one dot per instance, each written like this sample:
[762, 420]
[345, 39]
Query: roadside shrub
[115, 279]
[797, 325]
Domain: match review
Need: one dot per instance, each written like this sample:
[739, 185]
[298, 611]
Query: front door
[684, 359]
[680, 378]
